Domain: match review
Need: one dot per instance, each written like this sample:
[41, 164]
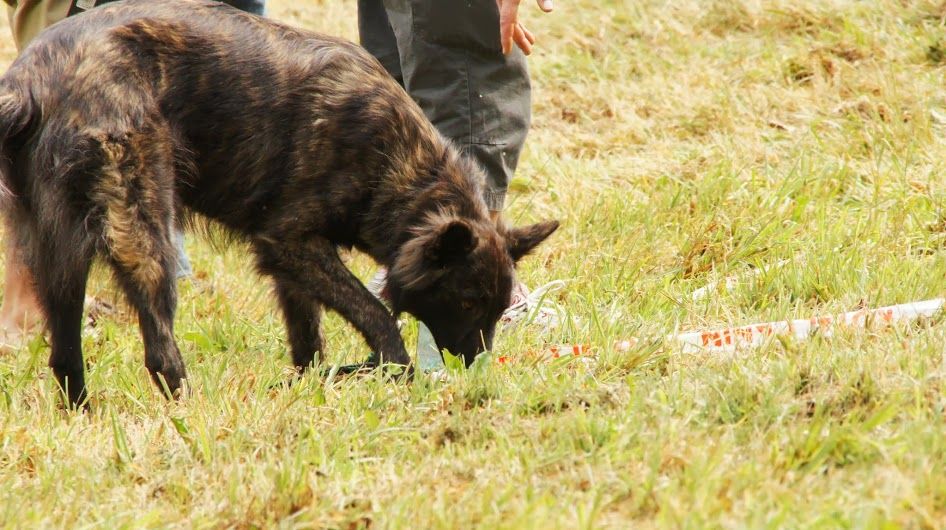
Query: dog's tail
[16, 112]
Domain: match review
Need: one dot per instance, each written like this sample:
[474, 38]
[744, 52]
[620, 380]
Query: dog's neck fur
[442, 183]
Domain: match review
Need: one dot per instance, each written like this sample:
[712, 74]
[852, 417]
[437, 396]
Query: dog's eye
[467, 305]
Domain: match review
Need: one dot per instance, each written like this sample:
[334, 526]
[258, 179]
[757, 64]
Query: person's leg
[28, 17]
[453, 66]
[184, 269]
[20, 313]
[447, 54]
[377, 36]
[257, 7]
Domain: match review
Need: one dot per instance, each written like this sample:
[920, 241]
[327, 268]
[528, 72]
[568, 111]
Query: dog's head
[456, 275]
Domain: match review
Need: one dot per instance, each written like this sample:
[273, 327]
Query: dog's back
[248, 104]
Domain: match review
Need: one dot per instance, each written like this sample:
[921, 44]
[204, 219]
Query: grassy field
[679, 143]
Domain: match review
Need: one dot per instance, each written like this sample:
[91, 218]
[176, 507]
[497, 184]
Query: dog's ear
[522, 240]
[450, 242]
[424, 258]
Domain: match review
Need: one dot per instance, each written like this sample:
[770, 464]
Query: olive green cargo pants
[447, 54]
[29, 17]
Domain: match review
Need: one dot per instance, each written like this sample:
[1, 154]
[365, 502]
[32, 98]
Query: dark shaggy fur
[114, 122]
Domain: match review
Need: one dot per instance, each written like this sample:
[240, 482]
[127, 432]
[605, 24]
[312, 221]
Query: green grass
[679, 143]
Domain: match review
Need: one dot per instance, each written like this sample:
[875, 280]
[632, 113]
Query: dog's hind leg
[136, 195]
[155, 301]
[60, 267]
[303, 322]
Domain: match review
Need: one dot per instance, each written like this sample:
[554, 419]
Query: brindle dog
[115, 122]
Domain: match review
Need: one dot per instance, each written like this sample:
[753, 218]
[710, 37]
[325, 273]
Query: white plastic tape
[730, 339]
[754, 335]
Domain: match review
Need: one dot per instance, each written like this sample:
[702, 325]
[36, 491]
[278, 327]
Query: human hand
[511, 30]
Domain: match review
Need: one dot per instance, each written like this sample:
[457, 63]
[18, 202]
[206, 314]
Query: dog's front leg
[315, 271]
[303, 317]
